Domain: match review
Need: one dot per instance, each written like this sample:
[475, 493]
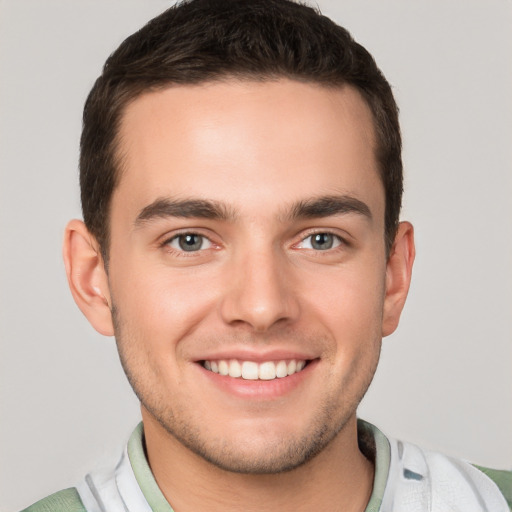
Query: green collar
[372, 442]
[143, 474]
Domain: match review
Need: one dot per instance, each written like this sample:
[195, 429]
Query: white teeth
[281, 369]
[267, 371]
[235, 368]
[250, 370]
[223, 368]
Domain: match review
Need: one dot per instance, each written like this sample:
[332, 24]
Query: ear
[87, 277]
[398, 276]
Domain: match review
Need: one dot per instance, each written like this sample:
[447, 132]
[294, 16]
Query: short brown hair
[206, 40]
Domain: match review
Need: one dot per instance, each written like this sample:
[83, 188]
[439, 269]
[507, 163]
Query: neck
[339, 478]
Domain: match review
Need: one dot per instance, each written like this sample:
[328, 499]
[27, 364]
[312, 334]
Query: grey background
[444, 380]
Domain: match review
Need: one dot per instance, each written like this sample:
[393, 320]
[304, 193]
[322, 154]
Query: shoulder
[445, 483]
[67, 500]
[503, 479]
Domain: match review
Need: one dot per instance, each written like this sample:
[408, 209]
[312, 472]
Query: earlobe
[87, 277]
[398, 276]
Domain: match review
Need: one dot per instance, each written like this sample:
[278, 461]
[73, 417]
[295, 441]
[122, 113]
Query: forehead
[244, 142]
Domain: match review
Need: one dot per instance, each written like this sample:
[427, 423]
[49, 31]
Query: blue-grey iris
[322, 241]
[190, 242]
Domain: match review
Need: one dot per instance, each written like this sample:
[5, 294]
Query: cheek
[160, 304]
[351, 296]
[349, 305]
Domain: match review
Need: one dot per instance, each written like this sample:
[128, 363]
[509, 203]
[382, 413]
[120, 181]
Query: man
[241, 185]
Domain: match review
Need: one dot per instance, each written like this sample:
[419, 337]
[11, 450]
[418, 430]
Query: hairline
[118, 157]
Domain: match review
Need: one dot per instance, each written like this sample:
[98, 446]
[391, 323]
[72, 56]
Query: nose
[259, 291]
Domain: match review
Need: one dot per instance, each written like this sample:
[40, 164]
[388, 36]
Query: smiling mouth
[250, 370]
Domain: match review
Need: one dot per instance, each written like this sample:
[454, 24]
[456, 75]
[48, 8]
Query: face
[247, 266]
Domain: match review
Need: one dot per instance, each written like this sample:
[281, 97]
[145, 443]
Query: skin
[256, 290]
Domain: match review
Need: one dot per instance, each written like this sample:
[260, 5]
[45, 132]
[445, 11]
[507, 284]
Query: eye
[189, 242]
[320, 242]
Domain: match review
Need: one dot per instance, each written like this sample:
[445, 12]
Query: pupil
[190, 242]
[322, 241]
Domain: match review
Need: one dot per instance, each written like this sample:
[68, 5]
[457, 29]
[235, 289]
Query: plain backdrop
[445, 378]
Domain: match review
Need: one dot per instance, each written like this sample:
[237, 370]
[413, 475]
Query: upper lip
[258, 356]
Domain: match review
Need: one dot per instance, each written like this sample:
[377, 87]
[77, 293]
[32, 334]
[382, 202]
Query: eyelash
[166, 244]
[337, 242]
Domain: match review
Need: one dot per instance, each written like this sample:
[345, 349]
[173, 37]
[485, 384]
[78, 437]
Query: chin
[266, 458]
[260, 450]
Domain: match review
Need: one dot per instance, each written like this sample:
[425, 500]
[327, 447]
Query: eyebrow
[185, 208]
[324, 206]
[327, 206]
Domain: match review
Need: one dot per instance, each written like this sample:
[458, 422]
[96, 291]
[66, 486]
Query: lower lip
[259, 389]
